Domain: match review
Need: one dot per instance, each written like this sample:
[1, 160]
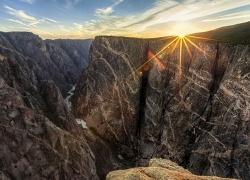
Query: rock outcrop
[61, 60]
[39, 137]
[33, 147]
[169, 171]
[193, 110]
[77, 50]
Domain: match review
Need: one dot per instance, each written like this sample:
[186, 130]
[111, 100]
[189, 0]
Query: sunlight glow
[182, 42]
[181, 35]
[182, 29]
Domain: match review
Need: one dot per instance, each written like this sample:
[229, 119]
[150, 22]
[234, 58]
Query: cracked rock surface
[195, 114]
[39, 137]
[32, 147]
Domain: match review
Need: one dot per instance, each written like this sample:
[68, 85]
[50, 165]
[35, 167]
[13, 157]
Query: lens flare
[160, 63]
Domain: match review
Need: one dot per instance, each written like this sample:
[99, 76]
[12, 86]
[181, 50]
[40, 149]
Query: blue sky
[78, 19]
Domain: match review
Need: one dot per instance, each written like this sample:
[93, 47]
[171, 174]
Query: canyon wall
[193, 110]
[39, 137]
[62, 60]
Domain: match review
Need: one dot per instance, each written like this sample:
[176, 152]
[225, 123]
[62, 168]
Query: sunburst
[181, 41]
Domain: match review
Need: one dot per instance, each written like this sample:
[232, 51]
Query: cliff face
[77, 50]
[60, 59]
[33, 147]
[195, 114]
[39, 137]
[106, 101]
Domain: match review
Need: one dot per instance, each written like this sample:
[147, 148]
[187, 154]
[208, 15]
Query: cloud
[19, 22]
[69, 3]
[21, 15]
[28, 1]
[78, 26]
[236, 15]
[25, 19]
[161, 14]
[51, 20]
[102, 12]
[63, 28]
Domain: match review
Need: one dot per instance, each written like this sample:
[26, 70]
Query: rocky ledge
[158, 169]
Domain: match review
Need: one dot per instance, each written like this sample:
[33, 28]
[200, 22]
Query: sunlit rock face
[159, 169]
[195, 114]
[62, 60]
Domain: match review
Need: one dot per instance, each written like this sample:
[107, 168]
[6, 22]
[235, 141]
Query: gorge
[141, 99]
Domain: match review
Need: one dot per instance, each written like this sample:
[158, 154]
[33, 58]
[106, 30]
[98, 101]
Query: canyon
[140, 98]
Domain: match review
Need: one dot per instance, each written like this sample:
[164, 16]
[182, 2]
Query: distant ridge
[234, 34]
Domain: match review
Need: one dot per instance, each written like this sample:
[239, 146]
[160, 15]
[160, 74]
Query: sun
[182, 29]
[181, 35]
[182, 40]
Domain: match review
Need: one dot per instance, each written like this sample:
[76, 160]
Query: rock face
[158, 172]
[39, 137]
[33, 147]
[62, 60]
[195, 114]
[77, 50]
[104, 97]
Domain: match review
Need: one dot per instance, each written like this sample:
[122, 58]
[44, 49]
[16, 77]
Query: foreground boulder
[158, 169]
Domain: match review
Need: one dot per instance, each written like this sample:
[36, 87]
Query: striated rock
[62, 65]
[39, 137]
[32, 147]
[3, 176]
[105, 154]
[57, 109]
[104, 98]
[166, 170]
[77, 50]
[195, 114]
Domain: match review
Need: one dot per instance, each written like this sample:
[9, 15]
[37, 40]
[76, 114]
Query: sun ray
[176, 43]
[179, 40]
[180, 56]
[152, 57]
[188, 50]
[197, 47]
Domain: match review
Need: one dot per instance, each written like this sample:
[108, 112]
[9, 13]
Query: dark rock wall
[60, 59]
[195, 114]
[77, 50]
[31, 146]
[107, 100]
[39, 137]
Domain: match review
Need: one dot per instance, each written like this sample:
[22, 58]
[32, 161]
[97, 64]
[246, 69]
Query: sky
[81, 19]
